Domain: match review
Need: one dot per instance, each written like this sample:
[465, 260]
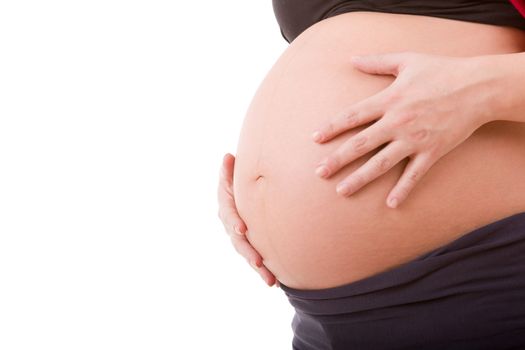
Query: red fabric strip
[519, 5]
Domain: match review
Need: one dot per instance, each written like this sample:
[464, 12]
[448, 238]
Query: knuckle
[413, 176]
[408, 147]
[350, 120]
[382, 164]
[358, 143]
[403, 118]
[420, 135]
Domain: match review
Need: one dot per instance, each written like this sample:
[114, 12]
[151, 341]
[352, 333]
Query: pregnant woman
[433, 115]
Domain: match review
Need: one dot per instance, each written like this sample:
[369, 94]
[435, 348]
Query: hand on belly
[234, 225]
[416, 119]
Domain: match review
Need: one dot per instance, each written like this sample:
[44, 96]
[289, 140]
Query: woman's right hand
[234, 225]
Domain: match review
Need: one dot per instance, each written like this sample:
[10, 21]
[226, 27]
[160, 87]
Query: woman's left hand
[433, 105]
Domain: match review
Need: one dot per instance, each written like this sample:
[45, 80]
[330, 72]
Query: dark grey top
[294, 16]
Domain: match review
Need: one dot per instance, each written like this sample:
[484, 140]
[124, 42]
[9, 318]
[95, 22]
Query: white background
[114, 118]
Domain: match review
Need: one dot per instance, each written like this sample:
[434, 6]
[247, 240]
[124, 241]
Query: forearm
[507, 95]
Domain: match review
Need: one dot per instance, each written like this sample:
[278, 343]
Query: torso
[312, 238]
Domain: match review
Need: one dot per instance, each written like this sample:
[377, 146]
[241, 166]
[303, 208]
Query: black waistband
[453, 296]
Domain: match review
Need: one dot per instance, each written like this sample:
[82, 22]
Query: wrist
[504, 87]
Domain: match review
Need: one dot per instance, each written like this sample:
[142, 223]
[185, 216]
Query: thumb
[386, 64]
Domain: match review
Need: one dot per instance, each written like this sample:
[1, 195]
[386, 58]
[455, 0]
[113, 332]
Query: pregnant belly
[308, 235]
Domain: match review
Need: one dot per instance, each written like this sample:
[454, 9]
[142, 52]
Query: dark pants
[468, 294]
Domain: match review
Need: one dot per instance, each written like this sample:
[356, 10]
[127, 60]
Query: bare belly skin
[309, 236]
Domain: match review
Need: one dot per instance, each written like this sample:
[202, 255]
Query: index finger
[359, 113]
[227, 208]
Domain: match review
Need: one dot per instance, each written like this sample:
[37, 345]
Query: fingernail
[238, 230]
[321, 171]
[392, 202]
[343, 188]
[317, 136]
